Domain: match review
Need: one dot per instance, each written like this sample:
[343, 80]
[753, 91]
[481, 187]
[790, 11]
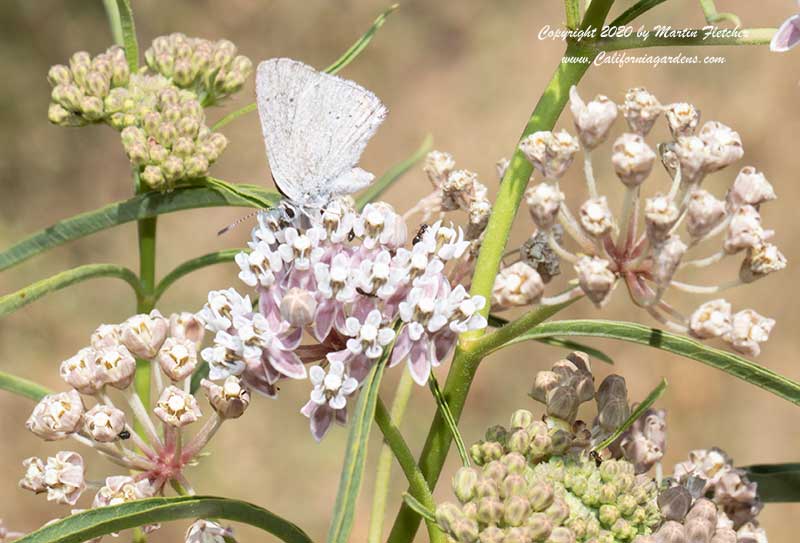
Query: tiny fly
[421, 232]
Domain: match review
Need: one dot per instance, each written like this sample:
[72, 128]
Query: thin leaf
[194, 264]
[497, 322]
[200, 373]
[636, 333]
[114, 23]
[447, 415]
[654, 395]
[393, 174]
[355, 455]
[128, 34]
[105, 520]
[776, 482]
[340, 63]
[213, 194]
[11, 302]
[22, 387]
[362, 42]
[635, 11]
[417, 507]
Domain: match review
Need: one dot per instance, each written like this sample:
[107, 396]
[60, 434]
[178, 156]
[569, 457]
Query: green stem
[193, 265]
[750, 36]
[596, 13]
[112, 12]
[417, 485]
[384, 470]
[572, 8]
[713, 16]
[639, 8]
[465, 364]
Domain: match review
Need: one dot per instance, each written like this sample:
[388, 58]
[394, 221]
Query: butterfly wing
[315, 126]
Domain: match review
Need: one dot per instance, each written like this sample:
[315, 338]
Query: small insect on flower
[420, 233]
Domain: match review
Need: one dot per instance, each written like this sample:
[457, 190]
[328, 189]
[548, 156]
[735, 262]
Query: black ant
[364, 293]
[594, 455]
[421, 232]
[125, 434]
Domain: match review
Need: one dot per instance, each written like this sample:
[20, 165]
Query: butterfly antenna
[238, 221]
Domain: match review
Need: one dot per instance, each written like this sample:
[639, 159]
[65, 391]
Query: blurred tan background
[468, 72]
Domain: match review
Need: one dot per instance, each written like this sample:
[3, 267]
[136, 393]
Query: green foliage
[22, 387]
[776, 482]
[393, 174]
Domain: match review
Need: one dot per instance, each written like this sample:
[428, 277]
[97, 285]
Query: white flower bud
[517, 285]
[683, 119]
[703, 213]
[116, 366]
[750, 188]
[723, 146]
[298, 307]
[104, 423]
[56, 415]
[34, 475]
[229, 400]
[186, 326]
[748, 331]
[458, 189]
[592, 120]
[176, 407]
[745, 231]
[501, 167]
[479, 213]
[761, 260]
[550, 152]
[632, 158]
[122, 489]
[596, 217]
[660, 215]
[692, 156]
[544, 201]
[61, 477]
[438, 166]
[143, 334]
[641, 109]
[177, 358]
[80, 371]
[106, 335]
[595, 278]
[710, 320]
[666, 258]
[206, 531]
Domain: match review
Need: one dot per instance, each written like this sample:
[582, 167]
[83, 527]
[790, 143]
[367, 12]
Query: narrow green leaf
[497, 322]
[11, 302]
[194, 264]
[214, 193]
[636, 333]
[200, 373]
[635, 11]
[355, 455]
[393, 174]
[340, 63]
[776, 482]
[128, 34]
[114, 23]
[654, 395]
[420, 509]
[105, 520]
[362, 42]
[22, 387]
[447, 415]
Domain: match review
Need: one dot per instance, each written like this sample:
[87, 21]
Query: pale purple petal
[286, 363]
[320, 422]
[418, 363]
[788, 35]
[401, 348]
[341, 416]
[324, 320]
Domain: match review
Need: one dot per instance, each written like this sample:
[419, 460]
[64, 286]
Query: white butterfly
[315, 126]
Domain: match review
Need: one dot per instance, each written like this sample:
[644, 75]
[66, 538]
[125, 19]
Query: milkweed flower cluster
[106, 367]
[350, 281]
[158, 112]
[538, 481]
[647, 246]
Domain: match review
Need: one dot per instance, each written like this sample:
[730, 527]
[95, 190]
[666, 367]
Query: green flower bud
[169, 96]
[464, 482]
[68, 96]
[521, 418]
[81, 58]
[514, 462]
[608, 493]
[609, 470]
[120, 74]
[538, 427]
[558, 511]
[577, 484]
[671, 532]
[492, 534]
[131, 135]
[182, 50]
[97, 84]
[165, 64]
[59, 75]
[153, 177]
[495, 470]
[116, 100]
[223, 53]
[172, 168]
[192, 108]
[496, 433]
[243, 65]
[519, 441]
[491, 450]
[446, 514]
[561, 535]
[157, 153]
[171, 114]
[515, 510]
[167, 133]
[102, 65]
[626, 504]
[476, 453]
[470, 510]
[465, 530]
[577, 525]
[592, 527]
[608, 514]
[539, 526]
[201, 59]
[183, 147]
[137, 153]
[591, 497]
[183, 74]
[540, 448]
[490, 511]
[56, 114]
[514, 485]
[623, 529]
[151, 122]
[92, 108]
[541, 496]
[561, 441]
[486, 488]
[232, 82]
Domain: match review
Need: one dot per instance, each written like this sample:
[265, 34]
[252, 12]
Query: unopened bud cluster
[653, 241]
[212, 70]
[159, 112]
[106, 367]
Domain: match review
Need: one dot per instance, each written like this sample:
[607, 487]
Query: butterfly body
[315, 127]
